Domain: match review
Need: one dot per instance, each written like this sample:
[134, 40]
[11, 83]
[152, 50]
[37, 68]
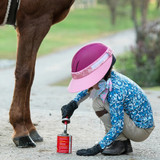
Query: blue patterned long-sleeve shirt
[125, 96]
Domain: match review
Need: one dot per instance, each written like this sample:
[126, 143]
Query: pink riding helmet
[89, 66]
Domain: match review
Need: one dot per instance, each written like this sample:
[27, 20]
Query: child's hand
[67, 110]
[90, 151]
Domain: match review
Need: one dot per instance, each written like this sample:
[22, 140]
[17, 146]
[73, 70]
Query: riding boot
[115, 148]
[118, 147]
[128, 146]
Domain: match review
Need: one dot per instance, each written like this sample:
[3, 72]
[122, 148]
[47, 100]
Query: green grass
[156, 88]
[8, 42]
[79, 27]
[64, 82]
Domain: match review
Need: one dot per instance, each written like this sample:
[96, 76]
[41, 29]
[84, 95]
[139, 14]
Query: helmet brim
[77, 85]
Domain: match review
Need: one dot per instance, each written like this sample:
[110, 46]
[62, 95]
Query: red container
[64, 143]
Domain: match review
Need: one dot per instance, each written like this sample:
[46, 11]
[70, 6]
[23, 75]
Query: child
[118, 101]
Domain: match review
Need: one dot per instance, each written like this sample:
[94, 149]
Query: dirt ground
[85, 128]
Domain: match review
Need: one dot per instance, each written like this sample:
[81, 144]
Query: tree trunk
[158, 4]
[144, 9]
[112, 4]
[134, 11]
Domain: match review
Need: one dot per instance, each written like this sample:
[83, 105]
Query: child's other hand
[67, 110]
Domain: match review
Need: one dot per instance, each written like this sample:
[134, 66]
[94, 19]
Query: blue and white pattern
[126, 96]
[81, 95]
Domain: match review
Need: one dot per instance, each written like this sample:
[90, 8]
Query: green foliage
[145, 75]
[145, 65]
[157, 64]
[142, 64]
[125, 64]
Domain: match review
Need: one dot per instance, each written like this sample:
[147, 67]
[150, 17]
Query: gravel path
[47, 100]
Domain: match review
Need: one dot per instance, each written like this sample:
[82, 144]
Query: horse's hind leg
[30, 36]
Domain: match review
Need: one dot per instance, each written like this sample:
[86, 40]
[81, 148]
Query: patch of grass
[156, 88]
[80, 26]
[64, 82]
[8, 42]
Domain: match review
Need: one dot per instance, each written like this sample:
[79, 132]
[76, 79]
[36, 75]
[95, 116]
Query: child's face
[94, 87]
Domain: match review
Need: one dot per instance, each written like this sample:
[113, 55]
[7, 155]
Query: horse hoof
[35, 136]
[24, 142]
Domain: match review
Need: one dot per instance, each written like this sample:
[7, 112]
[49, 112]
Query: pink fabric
[92, 67]
[87, 55]
[104, 88]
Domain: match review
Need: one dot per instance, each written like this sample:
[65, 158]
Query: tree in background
[158, 4]
[135, 5]
[147, 49]
[147, 55]
[146, 52]
[112, 4]
[139, 27]
[84, 3]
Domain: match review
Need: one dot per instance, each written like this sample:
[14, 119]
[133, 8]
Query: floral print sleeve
[81, 96]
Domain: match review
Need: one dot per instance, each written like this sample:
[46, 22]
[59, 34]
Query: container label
[64, 144]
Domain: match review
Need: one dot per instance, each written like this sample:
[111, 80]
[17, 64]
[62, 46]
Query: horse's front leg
[30, 36]
[28, 122]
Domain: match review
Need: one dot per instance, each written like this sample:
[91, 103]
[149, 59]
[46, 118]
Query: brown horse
[33, 21]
